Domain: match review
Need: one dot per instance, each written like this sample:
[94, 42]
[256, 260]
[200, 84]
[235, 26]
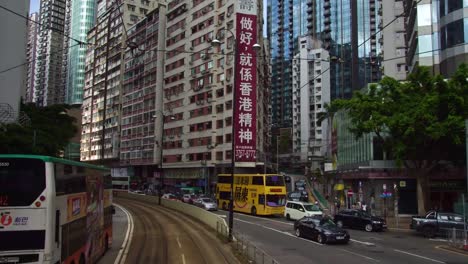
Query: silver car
[207, 204]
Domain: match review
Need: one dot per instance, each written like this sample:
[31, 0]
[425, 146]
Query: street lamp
[161, 145]
[215, 42]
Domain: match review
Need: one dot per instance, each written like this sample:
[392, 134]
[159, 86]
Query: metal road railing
[456, 237]
[246, 249]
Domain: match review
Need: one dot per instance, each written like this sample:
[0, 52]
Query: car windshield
[365, 214]
[311, 207]
[207, 200]
[326, 222]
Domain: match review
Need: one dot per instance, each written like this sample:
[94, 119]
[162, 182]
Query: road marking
[183, 258]
[123, 252]
[271, 220]
[278, 231]
[451, 251]
[438, 239]
[178, 242]
[363, 242]
[418, 256]
[362, 256]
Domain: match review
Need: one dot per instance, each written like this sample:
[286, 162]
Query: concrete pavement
[119, 228]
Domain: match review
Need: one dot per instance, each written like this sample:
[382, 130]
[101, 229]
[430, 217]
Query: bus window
[275, 200]
[21, 181]
[224, 179]
[274, 180]
[224, 195]
[257, 180]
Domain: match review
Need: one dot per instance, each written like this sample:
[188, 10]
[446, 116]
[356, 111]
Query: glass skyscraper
[286, 21]
[82, 19]
[347, 29]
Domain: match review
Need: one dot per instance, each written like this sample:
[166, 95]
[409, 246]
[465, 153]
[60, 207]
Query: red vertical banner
[245, 101]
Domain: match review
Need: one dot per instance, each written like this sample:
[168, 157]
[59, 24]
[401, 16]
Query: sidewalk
[119, 227]
[401, 223]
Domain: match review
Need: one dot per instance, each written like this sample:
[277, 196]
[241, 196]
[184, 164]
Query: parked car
[170, 196]
[207, 204]
[321, 229]
[436, 223]
[297, 210]
[189, 198]
[355, 218]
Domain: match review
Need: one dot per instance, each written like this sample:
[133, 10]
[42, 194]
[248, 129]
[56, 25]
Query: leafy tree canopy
[48, 133]
[420, 120]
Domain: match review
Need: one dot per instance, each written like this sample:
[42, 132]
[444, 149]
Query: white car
[296, 210]
[207, 204]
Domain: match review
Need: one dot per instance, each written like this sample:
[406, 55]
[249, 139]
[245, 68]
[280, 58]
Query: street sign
[386, 195]
[350, 193]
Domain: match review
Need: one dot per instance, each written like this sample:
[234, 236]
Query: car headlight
[327, 233]
[376, 222]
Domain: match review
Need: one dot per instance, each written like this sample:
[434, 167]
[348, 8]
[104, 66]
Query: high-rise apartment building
[286, 21]
[48, 88]
[82, 19]
[66, 43]
[198, 94]
[311, 91]
[142, 94]
[104, 63]
[175, 90]
[392, 39]
[33, 29]
[350, 35]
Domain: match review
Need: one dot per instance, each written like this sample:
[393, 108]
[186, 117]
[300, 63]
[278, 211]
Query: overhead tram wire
[389, 59]
[40, 24]
[52, 53]
[373, 35]
[230, 53]
[389, 23]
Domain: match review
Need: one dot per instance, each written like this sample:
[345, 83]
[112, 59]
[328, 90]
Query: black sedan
[320, 229]
[355, 218]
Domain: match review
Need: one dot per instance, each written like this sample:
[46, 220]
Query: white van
[296, 210]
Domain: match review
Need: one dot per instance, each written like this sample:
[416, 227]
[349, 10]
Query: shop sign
[447, 185]
[402, 184]
[245, 114]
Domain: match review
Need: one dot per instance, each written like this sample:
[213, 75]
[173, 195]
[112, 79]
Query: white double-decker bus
[53, 210]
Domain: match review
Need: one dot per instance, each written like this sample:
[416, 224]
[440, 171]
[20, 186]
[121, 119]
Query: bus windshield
[274, 180]
[275, 200]
[21, 181]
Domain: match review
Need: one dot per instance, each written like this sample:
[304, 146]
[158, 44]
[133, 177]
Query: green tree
[420, 121]
[48, 133]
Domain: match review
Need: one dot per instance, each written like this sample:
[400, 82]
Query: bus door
[261, 200]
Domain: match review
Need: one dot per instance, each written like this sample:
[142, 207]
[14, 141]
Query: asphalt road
[276, 237]
[162, 235]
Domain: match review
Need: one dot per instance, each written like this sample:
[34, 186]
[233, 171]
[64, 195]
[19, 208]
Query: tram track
[164, 235]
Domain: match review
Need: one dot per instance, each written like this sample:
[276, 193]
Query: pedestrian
[364, 206]
[337, 204]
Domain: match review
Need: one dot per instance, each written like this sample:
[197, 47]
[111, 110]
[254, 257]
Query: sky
[34, 6]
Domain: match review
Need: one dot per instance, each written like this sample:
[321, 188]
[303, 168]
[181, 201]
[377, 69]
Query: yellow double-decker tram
[257, 194]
